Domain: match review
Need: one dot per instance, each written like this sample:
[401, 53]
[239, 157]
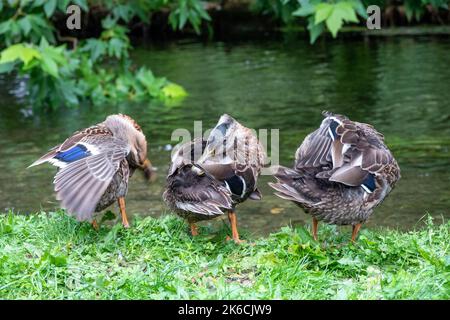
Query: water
[400, 85]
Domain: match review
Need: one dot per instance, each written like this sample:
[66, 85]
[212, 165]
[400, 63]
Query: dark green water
[400, 85]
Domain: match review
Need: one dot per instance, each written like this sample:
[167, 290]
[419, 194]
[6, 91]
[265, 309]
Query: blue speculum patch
[73, 154]
[369, 182]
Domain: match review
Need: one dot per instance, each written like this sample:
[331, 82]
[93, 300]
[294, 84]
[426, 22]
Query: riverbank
[51, 256]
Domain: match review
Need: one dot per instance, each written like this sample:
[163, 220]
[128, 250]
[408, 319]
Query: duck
[209, 177]
[95, 165]
[341, 172]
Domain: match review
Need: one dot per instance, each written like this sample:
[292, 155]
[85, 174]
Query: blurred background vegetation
[92, 65]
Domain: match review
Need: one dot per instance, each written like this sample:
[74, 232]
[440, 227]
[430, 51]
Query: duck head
[219, 138]
[126, 128]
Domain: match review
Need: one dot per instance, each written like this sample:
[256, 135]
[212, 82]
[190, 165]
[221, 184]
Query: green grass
[51, 256]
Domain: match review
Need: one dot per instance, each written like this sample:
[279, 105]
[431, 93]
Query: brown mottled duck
[95, 165]
[342, 171]
[208, 178]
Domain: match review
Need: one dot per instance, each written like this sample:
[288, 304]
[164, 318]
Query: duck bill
[148, 170]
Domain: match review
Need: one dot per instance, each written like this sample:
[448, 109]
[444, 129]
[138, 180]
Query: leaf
[96, 47]
[39, 21]
[347, 11]
[145, 76]
[204, 14]
[14, 28]
[323, 11]
[50, 66]
[315, 30]
[56, 53]
[173, 20]
[29, 54]
[67, 90]
[82, 3]
[21, 52]
[5, 26]
[56, 260]
[63, 4]
[7, 67]
[37, 3]
[334, 22]
[305, 10]
[360, 9]
[117, 48]
[108, 22]
[173, 90]
[155, 89]
[31, 65]
[49, 7]
[183, 18]
[25, 25]
[123, 12]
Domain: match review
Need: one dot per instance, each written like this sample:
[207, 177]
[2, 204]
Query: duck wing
[234, 154]
[81, 144]
[187, 153]
[80, 183]
[354, 152]
[192, 189]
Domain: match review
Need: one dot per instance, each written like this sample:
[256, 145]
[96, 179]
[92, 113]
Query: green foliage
[188, 10]
[97, 70]
[414, 9]
[52, 256]
[280, 9]
[331, 15]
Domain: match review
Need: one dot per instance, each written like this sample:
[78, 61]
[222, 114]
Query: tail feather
[287, 192]
[286, 197]
[281, 172]
[193, 190]
[287, 185]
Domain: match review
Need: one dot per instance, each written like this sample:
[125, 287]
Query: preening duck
[342, 171]
[208, 178]
[95, 165]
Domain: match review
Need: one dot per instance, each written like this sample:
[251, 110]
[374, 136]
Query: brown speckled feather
[221, 173]
[94, 165]
[80, 185]
[335, 168]
[190, 191]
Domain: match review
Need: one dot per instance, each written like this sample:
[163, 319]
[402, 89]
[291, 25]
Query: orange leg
[194, 230]
[314, 228]
[123, 213]
[355, 231]
[233, 221]
[95, 224]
